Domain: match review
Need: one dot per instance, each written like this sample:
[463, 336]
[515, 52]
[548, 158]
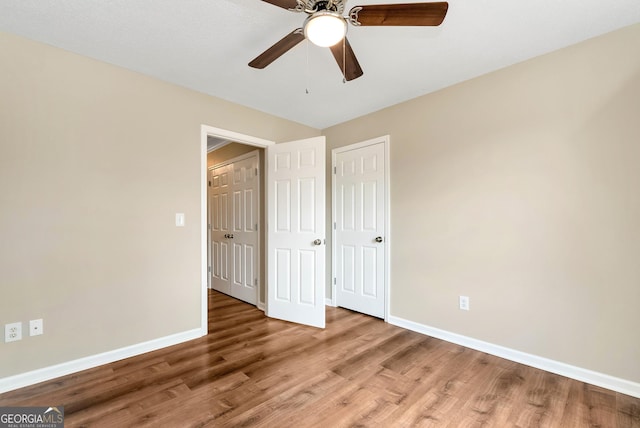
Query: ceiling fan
[327, 27]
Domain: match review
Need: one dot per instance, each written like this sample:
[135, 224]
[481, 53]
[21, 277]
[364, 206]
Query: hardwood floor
[252, 371]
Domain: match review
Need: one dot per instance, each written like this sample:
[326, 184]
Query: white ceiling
[205, 45]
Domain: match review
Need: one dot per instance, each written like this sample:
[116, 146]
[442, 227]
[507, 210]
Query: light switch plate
[464, 303]
[180, 219]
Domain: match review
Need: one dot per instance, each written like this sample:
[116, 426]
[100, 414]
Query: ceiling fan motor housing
[329, 5]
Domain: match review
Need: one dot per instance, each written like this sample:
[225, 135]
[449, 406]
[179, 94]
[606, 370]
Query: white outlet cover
[35, 327]
[13, 332]
[464, 303]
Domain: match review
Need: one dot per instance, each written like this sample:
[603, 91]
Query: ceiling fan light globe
[325, 28]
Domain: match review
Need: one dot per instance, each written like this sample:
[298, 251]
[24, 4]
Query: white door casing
[296, 231]
[360, 227]
[208, 231]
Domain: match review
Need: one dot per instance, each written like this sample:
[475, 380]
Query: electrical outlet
[35, 327]
[13, 332]
[464, 303]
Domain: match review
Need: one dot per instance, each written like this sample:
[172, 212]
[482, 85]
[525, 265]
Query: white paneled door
[219, 181]
[296, 231]
[234, 229]
[359, 223]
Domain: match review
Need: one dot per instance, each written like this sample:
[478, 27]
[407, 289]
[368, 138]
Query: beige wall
[95, 161]
[227, 152]
[521, 189]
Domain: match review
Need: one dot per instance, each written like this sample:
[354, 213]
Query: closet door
[235, 244]
[220, 187]
[359, 227]
[243, 240]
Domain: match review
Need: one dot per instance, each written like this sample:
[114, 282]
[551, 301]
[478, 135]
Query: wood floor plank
[253, 371]
[474, 405]
[627, 411]
[540, 390]
[602, 406]
[302, 398]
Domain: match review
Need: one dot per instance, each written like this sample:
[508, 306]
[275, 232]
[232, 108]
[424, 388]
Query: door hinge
[209, 183]
[256, 171]
[335, 226]
[255, 282]
[209, 269]
[209, 226]
[256, 226]
[334, 281]
[335, 170]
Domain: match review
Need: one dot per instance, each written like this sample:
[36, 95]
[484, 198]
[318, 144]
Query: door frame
[206, 131]
[386, 140]
[252, 154]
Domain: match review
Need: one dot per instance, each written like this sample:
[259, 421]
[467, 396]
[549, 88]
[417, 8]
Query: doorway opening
[295, 213]
[212, 138]
[236, 220]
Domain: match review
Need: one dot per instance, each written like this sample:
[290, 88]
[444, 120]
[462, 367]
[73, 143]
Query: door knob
[379, 239]
[317, 242]
[231, 236]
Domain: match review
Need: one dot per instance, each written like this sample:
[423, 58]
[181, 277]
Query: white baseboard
[600, 379]
[47, 373]
[261, 306]
[595, 378]
[329, 302]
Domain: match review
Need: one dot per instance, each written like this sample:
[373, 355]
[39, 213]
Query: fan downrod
[313, 6]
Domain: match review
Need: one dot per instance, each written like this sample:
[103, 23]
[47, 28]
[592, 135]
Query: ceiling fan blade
[405, 14]
[278, 49]
[285, 4]
[346, 60]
